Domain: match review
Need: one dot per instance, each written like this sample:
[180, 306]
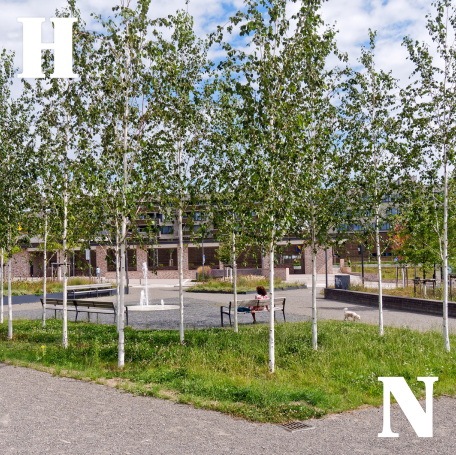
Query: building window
[199, 216]
[167, 229]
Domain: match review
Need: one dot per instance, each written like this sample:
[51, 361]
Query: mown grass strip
[221, 370]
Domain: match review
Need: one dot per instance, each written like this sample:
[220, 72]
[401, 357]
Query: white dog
[351, 314]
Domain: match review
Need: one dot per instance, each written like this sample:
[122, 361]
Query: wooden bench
[93, 290]
[84, 306]
[257, 304]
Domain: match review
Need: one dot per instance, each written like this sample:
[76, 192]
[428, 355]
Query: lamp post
[204, 259]
[361, 250]
[326, 266]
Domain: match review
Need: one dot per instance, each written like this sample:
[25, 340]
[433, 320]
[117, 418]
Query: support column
[101, 261]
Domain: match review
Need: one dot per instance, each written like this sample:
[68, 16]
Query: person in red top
[261, 294]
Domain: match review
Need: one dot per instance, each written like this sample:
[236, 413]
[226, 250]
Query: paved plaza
[203, 310]
[45, 414]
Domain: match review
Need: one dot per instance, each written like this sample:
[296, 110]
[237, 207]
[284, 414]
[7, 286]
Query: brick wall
[142, 257]
[391, 302]
[320, 260]
[282, 273]
[20, 265]
[101, 261]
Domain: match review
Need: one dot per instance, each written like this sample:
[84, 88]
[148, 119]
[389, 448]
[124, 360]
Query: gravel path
[198, 314]
[203, 310]
[45, 414]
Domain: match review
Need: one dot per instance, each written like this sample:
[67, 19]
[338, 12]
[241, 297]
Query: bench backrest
[84, 303]
[82, 287]
[259, 302]
[80, 303]
[57, 302]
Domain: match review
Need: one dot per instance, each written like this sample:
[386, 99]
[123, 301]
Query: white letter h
[63, 47]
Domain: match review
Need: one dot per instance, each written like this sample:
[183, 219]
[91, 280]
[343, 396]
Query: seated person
[261, 294]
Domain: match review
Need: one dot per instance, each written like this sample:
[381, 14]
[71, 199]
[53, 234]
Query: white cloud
[392, 19]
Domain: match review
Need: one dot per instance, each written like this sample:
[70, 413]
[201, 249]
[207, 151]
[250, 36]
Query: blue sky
[391, 18]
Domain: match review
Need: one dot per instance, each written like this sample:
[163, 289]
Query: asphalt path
[40, 413]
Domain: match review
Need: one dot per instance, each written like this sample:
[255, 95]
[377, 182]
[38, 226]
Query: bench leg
[88, 316]
[283, 311]
[221, 316]
[98, 319]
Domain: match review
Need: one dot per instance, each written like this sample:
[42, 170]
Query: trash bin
[342, 282]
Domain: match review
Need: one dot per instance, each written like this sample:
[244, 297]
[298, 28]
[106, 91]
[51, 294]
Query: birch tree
[429, 115]
[322, 170]
[61, 105]
[269, 77]
[372, 136]
[18, 163]
[122, 130]
[185, 120]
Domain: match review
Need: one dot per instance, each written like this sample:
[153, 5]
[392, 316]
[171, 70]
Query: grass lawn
[224, 371]
[25, 287]
[244, 284]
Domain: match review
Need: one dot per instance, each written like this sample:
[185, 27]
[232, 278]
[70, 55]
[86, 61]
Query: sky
[392, 19]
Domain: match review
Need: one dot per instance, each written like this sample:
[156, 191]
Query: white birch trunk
[379, 270]
[120, 314]
[181, 274]
[446, 335]
[314, 294]
[271, 308]
[1, 290]
[236, 329]
[43, 316]
[64, 243]
[64, 247]
[10, 300]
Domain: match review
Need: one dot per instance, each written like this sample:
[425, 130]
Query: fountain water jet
[144, 299]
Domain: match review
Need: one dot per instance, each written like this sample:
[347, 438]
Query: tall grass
[25, 287]
[226, 371]
[244, 283]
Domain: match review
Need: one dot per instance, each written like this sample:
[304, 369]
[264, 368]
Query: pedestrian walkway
[44, 414]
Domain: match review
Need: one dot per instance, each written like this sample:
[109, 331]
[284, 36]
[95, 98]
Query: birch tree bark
[43, 316]
[235, 302]
[271, 309]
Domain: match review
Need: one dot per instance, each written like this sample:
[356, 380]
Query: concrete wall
[391, 302]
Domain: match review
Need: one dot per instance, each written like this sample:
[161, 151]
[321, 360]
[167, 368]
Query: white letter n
[63, 47]
[421, 421]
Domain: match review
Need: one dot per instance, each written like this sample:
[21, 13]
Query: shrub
[207, 271]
